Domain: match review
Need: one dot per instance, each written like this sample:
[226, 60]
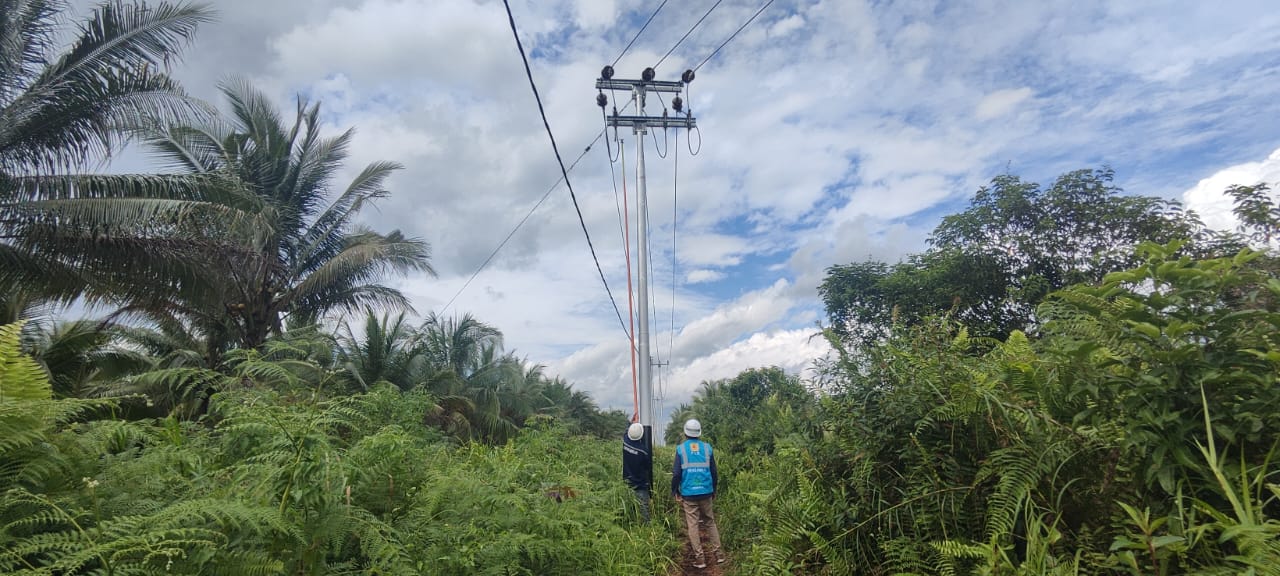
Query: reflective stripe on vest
[695, 468]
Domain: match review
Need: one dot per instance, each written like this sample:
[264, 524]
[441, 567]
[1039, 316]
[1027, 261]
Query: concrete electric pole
[640, 124]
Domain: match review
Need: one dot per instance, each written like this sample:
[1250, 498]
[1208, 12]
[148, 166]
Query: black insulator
[607, 72]
[677, 104]
[687, 76]
[601, 100]
[648, 75]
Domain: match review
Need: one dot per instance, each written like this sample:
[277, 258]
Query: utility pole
[640, 124]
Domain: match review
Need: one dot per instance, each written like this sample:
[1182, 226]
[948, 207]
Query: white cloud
[703, 275]
[1208, 197]
[439, 41]
[710, 249]
[595, 14]
[792, 350]
[787, 25]
[1001, 102]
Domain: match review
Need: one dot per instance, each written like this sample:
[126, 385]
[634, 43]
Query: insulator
[687, 76]
[606, 72]
[677, 104]
[601, 100]
[648, 75]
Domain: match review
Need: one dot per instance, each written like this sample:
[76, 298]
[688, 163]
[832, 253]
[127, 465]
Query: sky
[830, 131]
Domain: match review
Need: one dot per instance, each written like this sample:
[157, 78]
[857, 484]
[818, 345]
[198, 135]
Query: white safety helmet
[635, 431]
[692, 428]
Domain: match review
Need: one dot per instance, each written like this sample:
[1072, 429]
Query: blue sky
[832, 131]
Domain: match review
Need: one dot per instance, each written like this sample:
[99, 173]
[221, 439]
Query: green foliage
[1160, 332]
[67, 100]
[546, 503]
[1133, 436]
[308, 257]
[289, 482]
[1258, 212]
[751, 413]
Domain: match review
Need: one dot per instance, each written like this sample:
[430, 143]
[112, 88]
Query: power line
[503, 244]
[563, 171]
[637, 36]
[732, 36]
[526, 218]
[686, 34]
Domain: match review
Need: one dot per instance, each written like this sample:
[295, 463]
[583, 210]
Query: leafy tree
[994, 262]
[1258, 212]
[749, 413]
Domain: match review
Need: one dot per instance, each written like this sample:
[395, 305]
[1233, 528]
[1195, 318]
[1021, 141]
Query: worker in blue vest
[637, 465]
[693, 485]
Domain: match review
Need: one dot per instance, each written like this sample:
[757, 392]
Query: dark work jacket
[676, 477]
[637, 463]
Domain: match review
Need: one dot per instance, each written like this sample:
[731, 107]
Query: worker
[637, 465]
[693, 485]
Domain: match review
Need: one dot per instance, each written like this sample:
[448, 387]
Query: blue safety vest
[695, 468]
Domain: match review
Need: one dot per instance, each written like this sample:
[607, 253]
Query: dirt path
[686, 563]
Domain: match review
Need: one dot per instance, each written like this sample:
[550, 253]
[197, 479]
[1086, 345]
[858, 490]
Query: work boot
[718, 555]
[699, 561]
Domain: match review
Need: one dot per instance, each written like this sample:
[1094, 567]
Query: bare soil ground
[686, 563]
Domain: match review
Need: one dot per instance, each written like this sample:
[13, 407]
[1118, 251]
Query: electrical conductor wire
[732, 36]
[563, 171]
[686, 34]
[637, 36]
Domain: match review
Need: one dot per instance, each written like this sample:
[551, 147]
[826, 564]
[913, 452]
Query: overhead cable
[563, 171]
[638, 33]
[732, 36]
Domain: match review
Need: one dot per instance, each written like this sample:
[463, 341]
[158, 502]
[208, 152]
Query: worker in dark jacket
[693, 485]
[637, 466]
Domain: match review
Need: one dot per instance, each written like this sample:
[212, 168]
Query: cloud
[703, 275]
[1001, 102]
[787, 25]
[1208, 198]
[792, 350]
[710, 249]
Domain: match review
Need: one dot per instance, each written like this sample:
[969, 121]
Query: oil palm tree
[65, 233]
[310, 257]
[385, 352]
[464, 367]
[80, 357]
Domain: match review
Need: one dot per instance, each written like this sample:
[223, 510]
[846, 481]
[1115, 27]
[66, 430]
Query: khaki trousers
[700, 510]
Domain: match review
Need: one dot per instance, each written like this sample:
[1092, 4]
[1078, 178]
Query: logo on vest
[694, 447]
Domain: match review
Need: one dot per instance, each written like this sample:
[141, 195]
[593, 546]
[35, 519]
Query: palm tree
[465, 368]
[309, 258]
[64, 233]
[81, 357]
[458, 344]
[386, 352]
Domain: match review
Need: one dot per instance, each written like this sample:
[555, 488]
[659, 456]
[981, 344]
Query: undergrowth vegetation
[282, 481]
[1134, 434]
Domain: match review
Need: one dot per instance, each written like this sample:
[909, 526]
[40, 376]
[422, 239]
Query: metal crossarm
[651, 85]
[653, 122]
